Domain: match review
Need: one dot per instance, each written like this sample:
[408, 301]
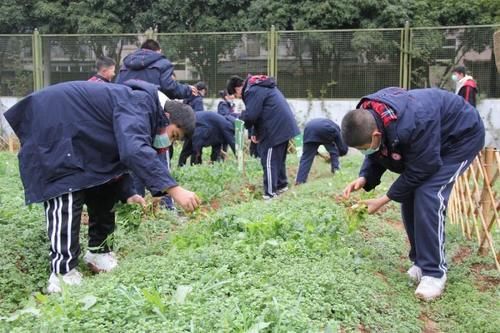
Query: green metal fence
[436, 51]
[214, 57]
[307, 64]
[338, 64]
[16, 65]
[72, 57]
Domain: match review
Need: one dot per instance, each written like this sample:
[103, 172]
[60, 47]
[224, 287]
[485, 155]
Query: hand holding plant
[186, 199]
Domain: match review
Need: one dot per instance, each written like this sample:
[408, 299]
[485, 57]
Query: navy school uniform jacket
[226, 109]
[267, 112]
[212, 129]
[78, 135]
[323, 130]
[433, 126]
[152, 67]
[195, 102]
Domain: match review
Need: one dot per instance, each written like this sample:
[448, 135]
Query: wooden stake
[11, 143]
[487, 199]
[474, 201]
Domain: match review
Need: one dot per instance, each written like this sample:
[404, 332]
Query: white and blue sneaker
[72, 278]
[100, 262]
[414, 273]
[282, 190]
[430, 287]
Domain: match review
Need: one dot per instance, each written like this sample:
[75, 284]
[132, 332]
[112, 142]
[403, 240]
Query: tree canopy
[112, 16]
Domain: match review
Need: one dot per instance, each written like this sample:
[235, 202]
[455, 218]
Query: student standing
[272, 124]
[105, 70]
[465, 85]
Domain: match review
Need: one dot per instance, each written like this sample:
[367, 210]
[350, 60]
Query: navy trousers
[273, 162]
[424, 216]
[310, 150]
[196, 157]
[63, 216]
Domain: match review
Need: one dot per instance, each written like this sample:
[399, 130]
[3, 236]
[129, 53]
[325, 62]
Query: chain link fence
[436, 51]
[16, 65]
[214, 57]
[307, 64]
[68, 58]
[338, 64]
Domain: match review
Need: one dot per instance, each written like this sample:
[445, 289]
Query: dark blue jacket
[152, 67]
[77, 135]
[195, 102]
[226, 110]
[324, 130]
[433, 126]
[267, 112]
[212, 129]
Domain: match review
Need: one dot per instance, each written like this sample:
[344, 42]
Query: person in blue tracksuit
[429, 137]
[78, 142]
[226, 107]
[269, 117]
[212, 130]
[317, 132]
[196, 102]
[105, 70]
[150, 65]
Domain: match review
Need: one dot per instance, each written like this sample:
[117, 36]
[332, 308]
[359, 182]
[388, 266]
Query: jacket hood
[396, 98]
[260, 80]
[141, 59]
[161, 119]
[466, 81]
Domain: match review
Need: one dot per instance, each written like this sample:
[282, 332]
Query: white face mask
[454, 77]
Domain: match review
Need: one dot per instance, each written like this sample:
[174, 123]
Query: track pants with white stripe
[273, 162]
[424, 216]
[310, 150]
[63, 216]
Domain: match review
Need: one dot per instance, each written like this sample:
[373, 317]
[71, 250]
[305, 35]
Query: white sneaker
[414, 273]
[72, 278]
[100, 262]
[430, 287]
[282, 190]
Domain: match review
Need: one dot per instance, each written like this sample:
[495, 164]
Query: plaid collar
[386, 113]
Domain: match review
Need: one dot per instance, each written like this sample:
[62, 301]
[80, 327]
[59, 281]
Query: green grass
[300, 263]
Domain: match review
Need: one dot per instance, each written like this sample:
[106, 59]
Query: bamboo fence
[475, 203]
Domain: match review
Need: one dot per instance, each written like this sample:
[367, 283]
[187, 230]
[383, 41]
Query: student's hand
[253, 138]
[137, 199]
[375, 204]
[354, 186]
[194, 91]
[186, 199]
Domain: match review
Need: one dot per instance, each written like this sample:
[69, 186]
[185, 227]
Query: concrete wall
[5, 104]
[333, 109]
[336, 109]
